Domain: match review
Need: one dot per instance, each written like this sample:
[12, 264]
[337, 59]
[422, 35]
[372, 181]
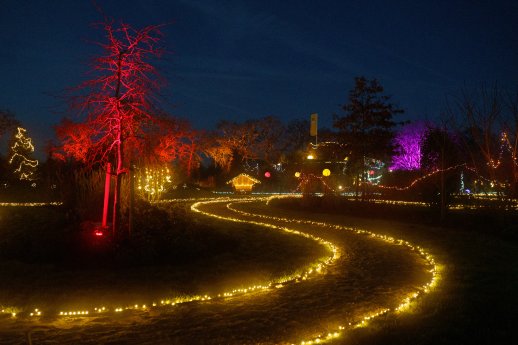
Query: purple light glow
[408, 151]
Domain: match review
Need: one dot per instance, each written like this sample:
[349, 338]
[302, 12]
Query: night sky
[247, 59]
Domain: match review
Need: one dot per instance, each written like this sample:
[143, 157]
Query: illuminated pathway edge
[403, 305]
[240, 216]
[315, 268]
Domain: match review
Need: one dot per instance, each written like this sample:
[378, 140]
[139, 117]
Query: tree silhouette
[440, 152]
[482, 111]
[491, 134]
[368, 126]
[295, 140]
[256, 139]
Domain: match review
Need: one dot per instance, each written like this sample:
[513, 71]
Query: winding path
[366, 276]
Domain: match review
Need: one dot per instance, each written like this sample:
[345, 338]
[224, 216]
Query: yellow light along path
[313, 269]
[403, 305]
[278, 223]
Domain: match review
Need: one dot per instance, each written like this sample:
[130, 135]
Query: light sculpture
[243, 183]
[153, 182]
[22, 147]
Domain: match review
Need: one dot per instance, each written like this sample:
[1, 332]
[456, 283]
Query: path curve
[373, 275]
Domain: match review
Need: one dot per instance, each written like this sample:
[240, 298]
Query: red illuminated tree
[117, 105]
[256, 139]
[220, 151]
[171, 139]
[192, 147]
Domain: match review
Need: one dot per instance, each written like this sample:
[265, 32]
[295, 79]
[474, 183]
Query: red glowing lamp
[267, 174]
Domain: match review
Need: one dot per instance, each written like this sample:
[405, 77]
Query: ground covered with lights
[283, 277]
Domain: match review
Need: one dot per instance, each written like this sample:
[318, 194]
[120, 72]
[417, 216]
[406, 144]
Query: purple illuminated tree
[408, 143]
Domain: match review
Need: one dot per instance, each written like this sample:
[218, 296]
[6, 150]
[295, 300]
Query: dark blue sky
[247, 59]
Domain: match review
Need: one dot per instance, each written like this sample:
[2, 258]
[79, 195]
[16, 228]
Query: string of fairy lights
[315, 268]
[492, 183]
[504, 144]
[373, 173]
[30, 204]
[26, 166]
[153, 182]
[168, 201]
[511, 204]
[417, 180]
[306, 179]
[401, 306]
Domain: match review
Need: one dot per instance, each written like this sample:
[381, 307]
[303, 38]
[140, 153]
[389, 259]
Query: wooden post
[106, 194]
[443, 197]
[132, 199]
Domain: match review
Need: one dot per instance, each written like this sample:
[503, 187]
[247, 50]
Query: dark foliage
[160, 238]
[368, 125]
[492, 217]
[7, 121]
[440, 150]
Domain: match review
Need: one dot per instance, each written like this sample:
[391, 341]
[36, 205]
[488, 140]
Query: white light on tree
[153, 182]
[21, 151]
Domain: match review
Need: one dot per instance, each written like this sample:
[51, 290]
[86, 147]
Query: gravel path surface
[369, 275]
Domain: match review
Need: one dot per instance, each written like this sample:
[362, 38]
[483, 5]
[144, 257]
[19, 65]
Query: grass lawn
[476, 301]
[48, 264]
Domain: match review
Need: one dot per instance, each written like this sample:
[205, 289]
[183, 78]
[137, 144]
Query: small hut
[243, 183]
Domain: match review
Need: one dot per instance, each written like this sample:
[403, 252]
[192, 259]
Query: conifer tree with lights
[367, 128]
[20, 159]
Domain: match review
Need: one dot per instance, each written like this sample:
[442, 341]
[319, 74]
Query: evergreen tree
[20, 157]
[368, 126]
